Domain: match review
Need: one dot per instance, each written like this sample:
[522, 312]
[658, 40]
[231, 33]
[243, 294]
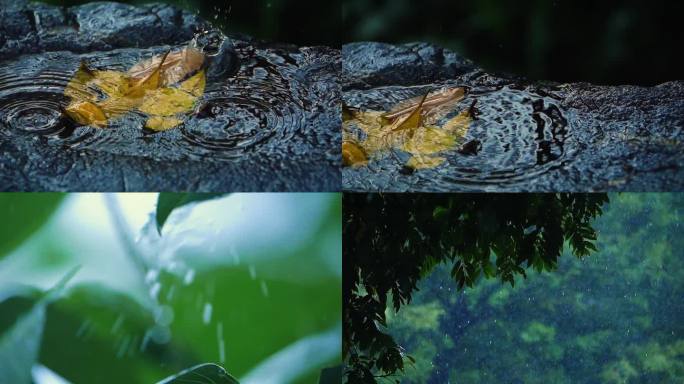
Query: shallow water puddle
[261, 107]
[490, 136]
[416, 126]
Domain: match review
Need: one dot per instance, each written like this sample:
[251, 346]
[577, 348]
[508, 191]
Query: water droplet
[252, 272]
[123, 347]
[164, 315]
[145, 340]
[160, 334]
[206, 314]
[84, 328]
[264, 288]
[172, 291]
[117, 324]
[221, 342]
[189, 276]
[151, 276]
[234, 254]
[154, 290]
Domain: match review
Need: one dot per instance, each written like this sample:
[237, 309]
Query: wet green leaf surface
[167, 202]
[23, 214]
[20, 345]
[202, 374]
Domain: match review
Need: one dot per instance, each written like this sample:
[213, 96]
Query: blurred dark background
[301, 22]
[608, 42]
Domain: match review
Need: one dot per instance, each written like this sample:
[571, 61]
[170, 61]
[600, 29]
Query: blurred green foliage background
[629, 41]
[301, 22]
[613, 317]
[239, 281]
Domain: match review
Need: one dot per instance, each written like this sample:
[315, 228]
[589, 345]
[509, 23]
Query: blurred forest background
[300, 22]
[610, 42]
[612, 317]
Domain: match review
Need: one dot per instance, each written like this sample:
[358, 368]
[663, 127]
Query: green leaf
[202, 374]
[22, 214]
[332, 375]
[167, 202]
[95, 320]
[440, 212]
[20, 345]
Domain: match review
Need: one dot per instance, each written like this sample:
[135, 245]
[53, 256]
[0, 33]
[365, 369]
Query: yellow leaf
[141, 88]
[429, 140]
[150, 81]
[77, 88]
[422, 162]
[459, 124]
[86, 113]
[167, 102]
[412, 120]
[195, 84]
[160, 123]
[410, 126]
[113, 83]
[352, 154]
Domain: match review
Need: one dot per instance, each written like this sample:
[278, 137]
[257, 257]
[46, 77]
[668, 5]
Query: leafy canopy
[392, 241]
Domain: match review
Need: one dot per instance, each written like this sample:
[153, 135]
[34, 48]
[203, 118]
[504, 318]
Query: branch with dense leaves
[392, 241]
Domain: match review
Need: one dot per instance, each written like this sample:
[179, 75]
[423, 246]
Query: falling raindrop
[206, 314]
[151, 276]
[160, 334]
[117, 324]
[234, 254]
[221, 343]
[189, 276]
[154, 290]
[123, 347]
[164, 315]
[145, 340]
[252, 272]
[172, 291]
[264, 288]
[84, 328]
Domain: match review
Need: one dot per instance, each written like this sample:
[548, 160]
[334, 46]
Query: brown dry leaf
[433, 101]
[411, 120]
[174, 67]
[410, 126]
[150, 86]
